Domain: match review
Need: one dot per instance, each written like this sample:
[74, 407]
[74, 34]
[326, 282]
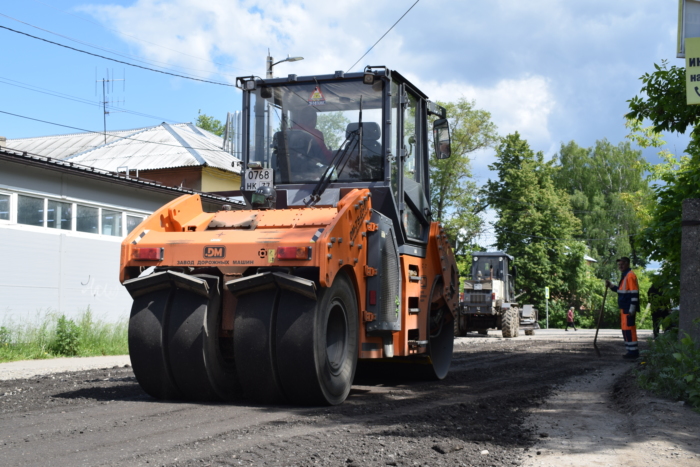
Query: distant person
[659, 309]
[305, 119]
[570, 319]
[628, 303]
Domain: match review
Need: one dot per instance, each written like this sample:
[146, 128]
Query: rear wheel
[510, 323]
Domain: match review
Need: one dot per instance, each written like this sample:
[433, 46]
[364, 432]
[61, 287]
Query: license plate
[478, 286]
[255, 178]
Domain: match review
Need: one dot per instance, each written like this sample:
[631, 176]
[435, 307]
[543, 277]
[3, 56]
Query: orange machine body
[331, 238]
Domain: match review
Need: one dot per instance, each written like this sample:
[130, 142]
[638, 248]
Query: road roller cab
[335, 257]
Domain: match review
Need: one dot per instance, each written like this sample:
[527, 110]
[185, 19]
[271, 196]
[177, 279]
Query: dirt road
[491, 410]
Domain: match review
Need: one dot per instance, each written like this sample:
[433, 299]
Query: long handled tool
[600, 318]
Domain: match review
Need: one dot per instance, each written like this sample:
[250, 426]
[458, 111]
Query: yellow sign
[546, 293]
[692, 70]
[316, 97]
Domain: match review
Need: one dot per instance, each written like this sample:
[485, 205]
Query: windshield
[483, 265]
[299, 129]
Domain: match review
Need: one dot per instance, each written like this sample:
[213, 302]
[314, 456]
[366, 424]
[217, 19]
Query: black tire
[510, 323]
[174, 343]
[147, 349]
[253, 344]
[198, 367]
[440, 343]
[316, 344]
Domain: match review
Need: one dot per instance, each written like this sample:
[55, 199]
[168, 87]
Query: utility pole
[546, 296]
[269, 63]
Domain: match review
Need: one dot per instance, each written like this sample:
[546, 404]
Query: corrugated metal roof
[159, 147]
[67, 166]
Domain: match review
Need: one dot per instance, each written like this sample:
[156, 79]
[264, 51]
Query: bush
[67, 339]
[51, 334]
[671, 367]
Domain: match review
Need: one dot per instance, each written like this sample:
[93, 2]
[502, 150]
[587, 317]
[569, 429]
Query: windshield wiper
[341, 157]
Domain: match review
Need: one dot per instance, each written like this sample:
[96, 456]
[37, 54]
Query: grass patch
[54, 335]
[671, 366]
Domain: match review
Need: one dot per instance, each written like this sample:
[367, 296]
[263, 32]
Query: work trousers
[629, 332]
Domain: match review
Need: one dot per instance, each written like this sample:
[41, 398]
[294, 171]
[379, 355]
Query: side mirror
[441, 137]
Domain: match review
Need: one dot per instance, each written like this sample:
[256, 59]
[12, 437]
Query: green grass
[671, 366]
[53, 335]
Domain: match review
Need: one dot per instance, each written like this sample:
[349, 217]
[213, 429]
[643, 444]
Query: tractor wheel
[316, 344]
[510, 323]
[174, 339]
[529, 332]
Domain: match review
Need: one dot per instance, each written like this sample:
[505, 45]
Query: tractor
[334, 260]
[489, 300]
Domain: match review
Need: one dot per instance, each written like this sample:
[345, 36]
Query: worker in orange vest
[628, 302]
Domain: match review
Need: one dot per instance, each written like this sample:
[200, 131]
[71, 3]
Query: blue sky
[553, 70]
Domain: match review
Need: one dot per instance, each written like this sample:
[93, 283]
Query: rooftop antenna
[107, 87]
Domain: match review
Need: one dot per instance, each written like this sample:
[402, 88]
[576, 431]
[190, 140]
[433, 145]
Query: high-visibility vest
[627, 292]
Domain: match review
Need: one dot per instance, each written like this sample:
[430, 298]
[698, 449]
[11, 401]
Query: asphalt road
[473, 417]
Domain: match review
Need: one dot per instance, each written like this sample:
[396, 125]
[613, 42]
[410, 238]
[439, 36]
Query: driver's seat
[302, 156]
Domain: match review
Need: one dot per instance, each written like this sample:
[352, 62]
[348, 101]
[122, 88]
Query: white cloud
[524, 105]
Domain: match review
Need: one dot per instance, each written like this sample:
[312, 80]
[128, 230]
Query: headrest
[370, 130]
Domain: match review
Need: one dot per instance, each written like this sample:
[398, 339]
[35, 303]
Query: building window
[111, 223]
[132, 222]
[4, 207]
[88, 219]
[59, 215]
[30, 211]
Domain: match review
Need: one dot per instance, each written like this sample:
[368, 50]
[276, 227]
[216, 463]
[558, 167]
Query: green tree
[535, 223]
[332, 125]
[209, 123]
[454, 195]
[608, 193]
[662, 101]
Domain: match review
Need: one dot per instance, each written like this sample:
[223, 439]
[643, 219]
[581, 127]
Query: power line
[387, 32]
[31, 87]
[118, 61]
[136, 38]
[152, 62]
[101, 132]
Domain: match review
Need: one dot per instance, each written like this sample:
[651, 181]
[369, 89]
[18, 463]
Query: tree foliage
[209, 123]
[535, 224]
[662, 100]
[609, 195]
[332, 125]
[453, 192]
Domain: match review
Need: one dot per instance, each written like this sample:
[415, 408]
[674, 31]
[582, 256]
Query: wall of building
[48, 269]
[186, 177]
[214, 180]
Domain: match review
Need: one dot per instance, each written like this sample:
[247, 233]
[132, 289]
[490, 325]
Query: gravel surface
[480, 415]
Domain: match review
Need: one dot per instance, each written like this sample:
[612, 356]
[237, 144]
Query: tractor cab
[490, 266]
[315, 138]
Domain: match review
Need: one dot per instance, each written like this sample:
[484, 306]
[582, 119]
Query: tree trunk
[690, 270]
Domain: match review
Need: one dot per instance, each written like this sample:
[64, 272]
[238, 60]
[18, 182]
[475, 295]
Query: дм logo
[214, 251]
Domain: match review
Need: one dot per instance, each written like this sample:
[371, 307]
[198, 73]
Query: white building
[61, 225]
